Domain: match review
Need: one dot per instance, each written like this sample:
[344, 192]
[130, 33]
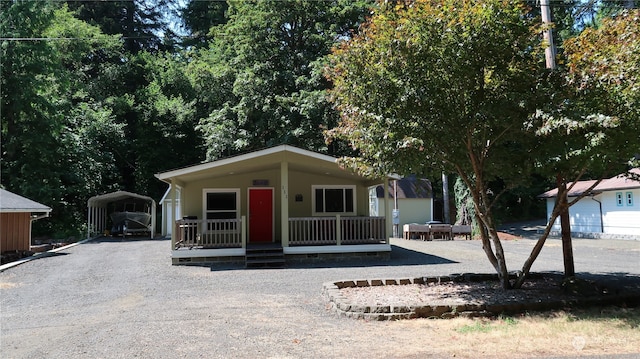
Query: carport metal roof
[107, 198]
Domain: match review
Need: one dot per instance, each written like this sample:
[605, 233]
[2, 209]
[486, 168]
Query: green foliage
[137, 21]
[435, 85]
[199, 17]
[423, 87]
[430, 86]
[53, 130]
[486, 326]
[592, 120]
[268, 56]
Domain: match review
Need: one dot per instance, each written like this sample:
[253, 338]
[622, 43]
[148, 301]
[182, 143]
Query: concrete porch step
[264, 256]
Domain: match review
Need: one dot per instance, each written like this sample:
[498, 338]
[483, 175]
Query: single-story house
[612, 207]
[411, 196]
[17, 213]
[121, 212]
[283, 196]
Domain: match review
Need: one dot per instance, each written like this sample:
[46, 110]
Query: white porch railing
[211, 233]
[336, 230]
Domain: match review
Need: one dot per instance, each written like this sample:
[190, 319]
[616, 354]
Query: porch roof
[270, 158]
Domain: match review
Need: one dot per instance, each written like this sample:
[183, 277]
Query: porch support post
[284, 203]
[338, 230]
[243, 231]
[172, 219]
[387, 211]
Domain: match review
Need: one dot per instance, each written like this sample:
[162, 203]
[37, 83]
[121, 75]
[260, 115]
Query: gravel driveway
[123, 299]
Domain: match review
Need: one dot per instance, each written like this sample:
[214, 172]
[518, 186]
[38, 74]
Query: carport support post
[284, 203]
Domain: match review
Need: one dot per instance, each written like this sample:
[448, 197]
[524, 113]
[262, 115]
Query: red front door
[260, 215]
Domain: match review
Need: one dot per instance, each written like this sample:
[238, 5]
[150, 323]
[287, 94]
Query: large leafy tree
[140, 22]
[457, 85]
[590, 125]
[269, 56]
[53, 129]
[198, 17]
[166, 121]
[27, 78]
[429, 86]
[605, 60]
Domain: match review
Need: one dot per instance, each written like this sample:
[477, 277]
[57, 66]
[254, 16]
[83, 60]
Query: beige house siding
[300, 183]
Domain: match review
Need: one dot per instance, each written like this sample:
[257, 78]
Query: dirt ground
[115, 298]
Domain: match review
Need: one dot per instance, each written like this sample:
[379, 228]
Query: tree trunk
[445, 197]
[565, 225]
[524, 273]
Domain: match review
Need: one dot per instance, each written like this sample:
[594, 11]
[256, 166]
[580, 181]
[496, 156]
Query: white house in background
[612, 207]
[413, 196]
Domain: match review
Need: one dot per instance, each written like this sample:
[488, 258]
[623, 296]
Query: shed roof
[11, 202]
[616, 183]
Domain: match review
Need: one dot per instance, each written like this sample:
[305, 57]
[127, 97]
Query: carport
[100, 207]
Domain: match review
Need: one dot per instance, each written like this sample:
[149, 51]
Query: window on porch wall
[332, 200]
[221, 204]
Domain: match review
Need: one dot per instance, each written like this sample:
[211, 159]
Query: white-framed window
[220, 203]
[629, 198]
[619, 200]
[332, 200]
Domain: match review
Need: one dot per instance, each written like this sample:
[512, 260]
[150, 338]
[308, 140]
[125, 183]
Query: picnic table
[431, 231]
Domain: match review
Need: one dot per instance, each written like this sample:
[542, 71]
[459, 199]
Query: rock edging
[339, 304]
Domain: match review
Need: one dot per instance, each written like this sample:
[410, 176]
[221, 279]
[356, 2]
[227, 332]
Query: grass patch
[477, 327]
[487, 325]
[593, 331]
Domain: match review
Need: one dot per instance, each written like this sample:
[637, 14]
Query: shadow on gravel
[399, 257]
[614, 282]
[126, 239]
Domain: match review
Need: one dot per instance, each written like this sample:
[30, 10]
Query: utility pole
[550, 50]
[565, 223]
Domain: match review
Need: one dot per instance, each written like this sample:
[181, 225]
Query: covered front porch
[295, 199]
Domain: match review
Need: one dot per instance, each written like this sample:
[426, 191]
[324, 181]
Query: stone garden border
[343, 308]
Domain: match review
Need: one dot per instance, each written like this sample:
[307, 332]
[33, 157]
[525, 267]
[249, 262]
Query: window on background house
[221, 204]
[619, 200]
[334, 200]
[629, 196]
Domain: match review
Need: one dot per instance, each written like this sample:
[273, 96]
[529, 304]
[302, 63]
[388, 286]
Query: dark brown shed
[16, 215]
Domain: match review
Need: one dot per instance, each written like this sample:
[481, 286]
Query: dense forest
[101, 95]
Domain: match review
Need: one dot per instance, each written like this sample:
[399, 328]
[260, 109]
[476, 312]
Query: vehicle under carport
[121, 213]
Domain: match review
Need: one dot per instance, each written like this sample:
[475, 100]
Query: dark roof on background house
[11, 202]
[619, 182]
[409, 187]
